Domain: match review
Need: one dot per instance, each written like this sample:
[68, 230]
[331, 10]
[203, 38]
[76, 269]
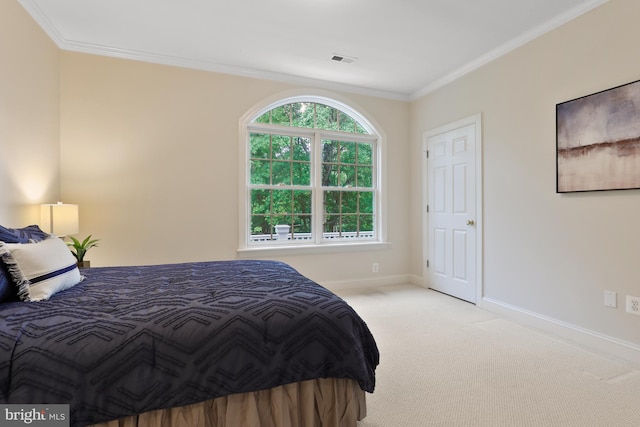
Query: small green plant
[79, 249]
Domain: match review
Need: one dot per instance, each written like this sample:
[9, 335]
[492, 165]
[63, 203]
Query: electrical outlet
[633, 305]
[375, 267]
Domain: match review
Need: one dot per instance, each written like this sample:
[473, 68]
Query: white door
[452, 258]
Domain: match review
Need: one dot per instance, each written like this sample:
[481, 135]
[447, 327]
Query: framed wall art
[598, 141]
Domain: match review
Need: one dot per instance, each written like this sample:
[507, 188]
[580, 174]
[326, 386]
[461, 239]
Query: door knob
[471, 222]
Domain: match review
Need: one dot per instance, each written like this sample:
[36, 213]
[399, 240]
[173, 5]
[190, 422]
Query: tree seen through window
[304, 155]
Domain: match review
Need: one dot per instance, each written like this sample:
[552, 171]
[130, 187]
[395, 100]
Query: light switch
[610, 299]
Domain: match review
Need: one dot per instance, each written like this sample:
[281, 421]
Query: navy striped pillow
[40, 269]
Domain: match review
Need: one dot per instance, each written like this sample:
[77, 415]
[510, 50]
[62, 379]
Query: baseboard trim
[585, 338]
[414, 279]
[337, 285]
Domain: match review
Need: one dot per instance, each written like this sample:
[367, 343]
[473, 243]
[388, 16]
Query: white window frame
[317, 244]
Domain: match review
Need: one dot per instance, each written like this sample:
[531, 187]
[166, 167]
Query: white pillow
[40, 269]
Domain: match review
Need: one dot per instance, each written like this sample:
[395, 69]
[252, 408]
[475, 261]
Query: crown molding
[511, 45]
[95, 49]
[226, 69]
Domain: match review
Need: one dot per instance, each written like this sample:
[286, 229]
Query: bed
[225, 343]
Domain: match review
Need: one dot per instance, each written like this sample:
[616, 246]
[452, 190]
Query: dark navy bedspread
[132, 339]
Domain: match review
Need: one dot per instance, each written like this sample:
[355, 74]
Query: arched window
[312, 175]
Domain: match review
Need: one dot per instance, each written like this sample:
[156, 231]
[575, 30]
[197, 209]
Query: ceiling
[402, 49]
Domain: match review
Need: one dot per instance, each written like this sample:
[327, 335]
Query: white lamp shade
[59, 219]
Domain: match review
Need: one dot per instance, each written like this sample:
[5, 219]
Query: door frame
[475, 120]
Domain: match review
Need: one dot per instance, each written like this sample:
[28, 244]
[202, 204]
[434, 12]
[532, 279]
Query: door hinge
[427, 208]
[427, 263]
[427, 154]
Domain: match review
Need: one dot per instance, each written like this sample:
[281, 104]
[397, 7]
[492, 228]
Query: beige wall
[551, 254]
[29, 117]
[150, 153]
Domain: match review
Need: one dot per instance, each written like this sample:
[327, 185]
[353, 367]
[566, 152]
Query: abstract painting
[598, 141]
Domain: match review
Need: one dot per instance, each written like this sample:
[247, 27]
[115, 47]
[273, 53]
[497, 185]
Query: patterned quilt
[128, 340]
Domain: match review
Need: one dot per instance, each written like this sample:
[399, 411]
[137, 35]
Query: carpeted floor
[445, 362]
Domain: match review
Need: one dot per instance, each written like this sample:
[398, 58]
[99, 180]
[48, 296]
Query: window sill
[313, 249]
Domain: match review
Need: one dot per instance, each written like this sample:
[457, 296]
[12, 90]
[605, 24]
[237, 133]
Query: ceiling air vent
[343, 58]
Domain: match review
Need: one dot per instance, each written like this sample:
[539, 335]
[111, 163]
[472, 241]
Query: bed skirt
[320, 402]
